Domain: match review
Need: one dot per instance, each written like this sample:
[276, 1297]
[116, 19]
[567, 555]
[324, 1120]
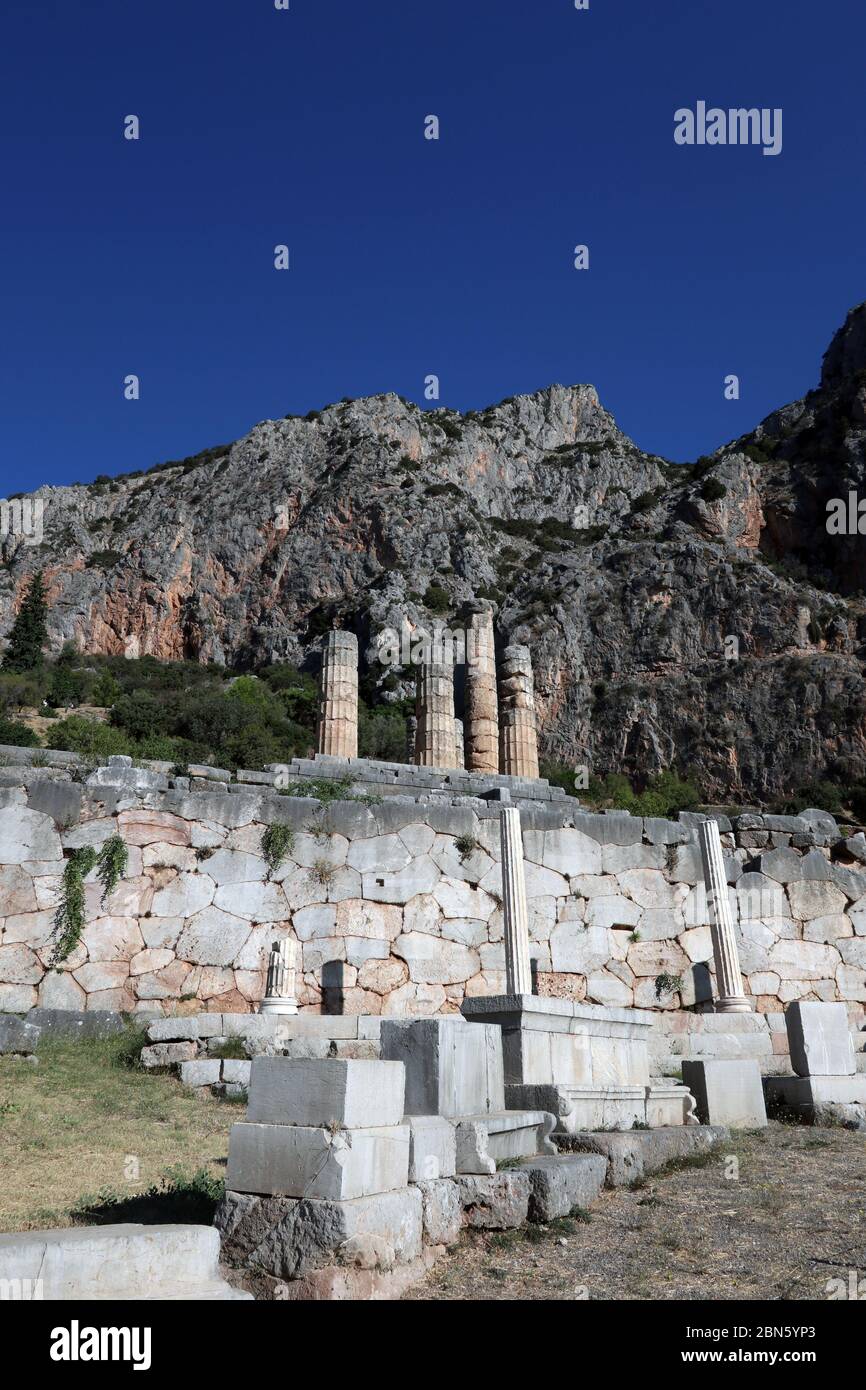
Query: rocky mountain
[695, 616]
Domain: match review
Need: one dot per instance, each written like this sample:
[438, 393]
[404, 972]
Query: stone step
[125, 1261]
[631, 1154]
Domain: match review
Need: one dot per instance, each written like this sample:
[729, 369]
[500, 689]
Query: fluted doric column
[729, 980]
[434, 740]
[518, 975]
[280, 994]
[482, 711]
[518, 740]
[338, 696]
[411, 736]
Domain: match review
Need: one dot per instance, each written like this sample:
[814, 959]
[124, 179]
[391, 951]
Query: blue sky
[411, 256]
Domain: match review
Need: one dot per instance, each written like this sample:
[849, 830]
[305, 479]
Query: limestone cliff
[625, 574]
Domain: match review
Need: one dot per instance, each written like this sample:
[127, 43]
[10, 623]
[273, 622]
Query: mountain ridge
[627, 574]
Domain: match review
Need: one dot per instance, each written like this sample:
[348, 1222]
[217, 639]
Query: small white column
[518, 976]
[280, 995]
[729, 980]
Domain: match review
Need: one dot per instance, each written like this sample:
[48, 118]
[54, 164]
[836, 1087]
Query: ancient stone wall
[395, 901]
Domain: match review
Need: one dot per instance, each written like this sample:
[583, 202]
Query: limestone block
[17, 1036]
[483, 1141]
[212, 937]
[58, 990]
[379, 853]
[727, 1092]
[613, 911]
[828, 929]
[236, 1071]
[559, 1184]
[235, 866]
[811, 1094]
[27, 835]
[346, 1094]
[578, 948]
[458, 899]
[453, 1068]
[200, 1073]
[851, 982]
[194, 1026]
[815, 898]
[113, 938]
[803, 960]
[819, 1039]
[421, 876]
[168, 1054]
[441, 1211]
[432, 1148]
[602, 987]
[497, 1202]
[635, 1153]
[566, 851]
[616, 859]
[260, 901]
[853, 952]
[370, 920]
[17, 893]
[33, 929]
[434, 961]
[286, 1238]
[301, 1161]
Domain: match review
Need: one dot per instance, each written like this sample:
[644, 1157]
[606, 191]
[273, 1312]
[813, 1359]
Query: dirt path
[771, 1215]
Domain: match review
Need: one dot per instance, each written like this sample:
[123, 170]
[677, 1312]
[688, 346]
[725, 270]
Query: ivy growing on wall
[277, 842]
[110, 864]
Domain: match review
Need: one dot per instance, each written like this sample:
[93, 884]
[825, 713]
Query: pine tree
[29, 631]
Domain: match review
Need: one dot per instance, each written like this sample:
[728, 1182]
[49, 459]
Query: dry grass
[86, 1124]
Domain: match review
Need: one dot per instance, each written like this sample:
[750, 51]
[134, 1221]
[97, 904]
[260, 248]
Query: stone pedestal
[729, 980]
[482, 710]
[518, 977]
[435, 744]
[280, 993]
[338, 698]
[587, 1064]
[518, 741]
[727, 1093]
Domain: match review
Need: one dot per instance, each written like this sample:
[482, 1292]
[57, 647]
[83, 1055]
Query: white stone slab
[300, 1161]
[432, 1148]
[331, 1091]
[819, 1039]
[727, 1093]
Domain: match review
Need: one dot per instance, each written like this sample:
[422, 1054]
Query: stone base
[631, 1156]
[727, 1093]
[442, 1212]
[287, 1239]
[485, 1140]
[321, 1164]
[579, 1108]
[498, 1202]
[558, 1185]
[820, 1099]
[338, 1285]
[432, 1148]
[273, 1005]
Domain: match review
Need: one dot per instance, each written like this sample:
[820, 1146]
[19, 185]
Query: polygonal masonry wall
[396, 906]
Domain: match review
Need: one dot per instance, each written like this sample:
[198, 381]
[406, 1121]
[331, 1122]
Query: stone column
[338, 696]
[280, 994]
[518, 741]
[459, 749]
[411, 736]
[434, 740]
[482, 711]
[729, 981]
[518, 975]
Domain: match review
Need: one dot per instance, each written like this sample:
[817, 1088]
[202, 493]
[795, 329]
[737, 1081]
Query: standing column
[518, 740]
[434, 739]
[482, 713]
[518, 975]
[459, 749]
[411, 736]
[280, 996]
[338, 696]
[729, 981]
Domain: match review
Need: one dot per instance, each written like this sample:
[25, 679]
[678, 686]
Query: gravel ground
[773, 1214]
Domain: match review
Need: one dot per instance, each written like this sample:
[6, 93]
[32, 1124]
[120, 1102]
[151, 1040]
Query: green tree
[29, 631]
